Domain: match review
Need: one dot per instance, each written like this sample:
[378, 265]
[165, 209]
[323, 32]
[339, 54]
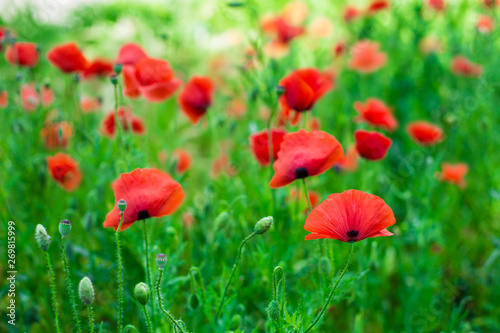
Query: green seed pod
[273, 310]
[263, 225]
[161, 261]
[280, 90]
[42, 237]
[114, 79]
[324, 266]
[235, 322]
[86, 291]
[122, 205]
[118, 69]
[142, 293]
[64, 228]
[194, 301]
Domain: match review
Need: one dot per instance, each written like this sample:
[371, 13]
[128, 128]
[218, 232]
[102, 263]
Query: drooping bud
[263, 225]
[324, 266]
[194, 301]
[86, 291]
[280, 90]
[141, 293]
[118, 68]
[64, 228]
[42, 237]
[114, 79]
[273, 310]
[161, 261]
[122, 205]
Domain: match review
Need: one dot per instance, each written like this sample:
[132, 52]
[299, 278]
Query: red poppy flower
[89, 104]
[4, 99]
[350, 216]
[438, 5]
[259, 145]
[320, 27]
[22, 54]
[128, 121]
[314, 124]
[454, 174]
[130, 84]
[187, 219]
[221, 164]
[351, 13]
[376, 114]
[462, 66]
[425, 133]
[67, 58]
[314, 198]
[47, 95]
[339, 49]
[348, 162]
[56, 135]
[64, 171]
[182, 160]
[372, 145]
[366, 57]
[491, 3]
[98, 67]
[130, 54]
[236, 108]
[281, 29]
[156, 80]
[148, 193]
[29, 97]
[377, 5]
[303, 88]
[485, 24]
[196, 97]
[304, 154]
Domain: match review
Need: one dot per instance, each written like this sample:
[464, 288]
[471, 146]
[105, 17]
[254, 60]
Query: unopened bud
[118, 68]
[122, 205]
[273, 310]
[86, 291]
[141, 293]
[263, 225]
[64, 228]
[42, 237]
[280, 90]
[161, 261]
[194, 301]
[114, 79]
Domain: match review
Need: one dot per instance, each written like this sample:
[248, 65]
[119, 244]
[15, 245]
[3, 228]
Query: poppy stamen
[301, 173]
[143, 214]
[352, 234]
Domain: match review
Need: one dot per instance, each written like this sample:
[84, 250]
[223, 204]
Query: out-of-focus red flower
[485, 24]
[303, 88]
[47, 94]
[314, 198]
[56, 135]
[304, 154]
[90, 104]
[491, 3]
[281, 29]
[130, 54]
[187, 219]
[372, 146]
[236, 108]
[148, 193]
[462, 66]
[182, 160]
[64, 171]
[22, 54]
[128, 121]
[130, 84]
[438, 5]
[339, 49]
[67, 58]
[377, 5]
[4, 99]
[30, 99]
[348, 162]
[221, 164]
[275, 49]
[259, 145]
[351, 13]
[196, 97]
[453, 173]
[314, 124]
[350, 216]
[425, 133]
[99, 68]
[288, 116]
[366, 57]
[320, 27]
[375, 113]
[295, 12]
[156, 79]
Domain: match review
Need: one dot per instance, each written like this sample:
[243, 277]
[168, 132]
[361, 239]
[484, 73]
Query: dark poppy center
[143, 214]
[352, 234]
[301, 173]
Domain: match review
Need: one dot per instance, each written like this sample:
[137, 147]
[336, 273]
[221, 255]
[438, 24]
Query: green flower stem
[160, 304]
[53, 287]
[91, 318]
[120, 275]
[238, 257]
[330, 296]
[148, 264]
[200, 278]
[117, 122]
[148, 319]
[69, 287]
[304, 185]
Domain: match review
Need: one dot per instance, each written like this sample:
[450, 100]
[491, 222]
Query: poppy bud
[161, 261]
[273, 310]
[42, 237]
[122, 205]
[263, 225]
[194, 301]
[114, 79]
[118, 69]
[86, 291]
[141, 293]
[324, 266]
[280, 90]
[64, 228]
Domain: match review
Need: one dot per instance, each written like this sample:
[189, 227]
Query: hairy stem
[91, 318]
[120, 275]
[148, 319]
[160, 305]
[69, 287]
[53, 287]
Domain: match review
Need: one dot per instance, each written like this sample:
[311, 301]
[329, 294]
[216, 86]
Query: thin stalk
[146, 249]
[53, 287]
[304, 185]
[148, 319]
[238, 257]
[117, 121]
[120, 275]
[69, 287]
[203, 292]
[160, 304]
[330, 296]
[91, 318]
